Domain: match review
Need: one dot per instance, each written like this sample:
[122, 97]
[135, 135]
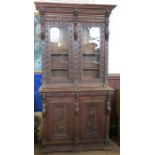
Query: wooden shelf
[59, 68]
[90, 68]
[59, 54]
[92, 54]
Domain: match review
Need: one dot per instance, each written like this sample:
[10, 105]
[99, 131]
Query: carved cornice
[68, 8]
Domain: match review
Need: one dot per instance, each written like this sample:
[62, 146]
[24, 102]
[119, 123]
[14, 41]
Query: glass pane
[91, 40]
[59, 53]
[91, 52]
[58, 40]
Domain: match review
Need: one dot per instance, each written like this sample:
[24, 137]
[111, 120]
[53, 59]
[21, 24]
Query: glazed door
[92, 118]
[92, 52]
[60, 119]
[58, 52]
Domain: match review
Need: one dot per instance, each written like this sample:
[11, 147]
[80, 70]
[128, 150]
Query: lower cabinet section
[74, 121]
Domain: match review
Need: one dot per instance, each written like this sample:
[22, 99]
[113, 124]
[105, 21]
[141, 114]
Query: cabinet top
[72, 88]
[70, 8]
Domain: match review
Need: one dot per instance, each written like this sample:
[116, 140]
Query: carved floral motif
[91, 124]
[59, 121]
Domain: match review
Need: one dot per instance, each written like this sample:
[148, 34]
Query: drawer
[92, 98]
[60, 99]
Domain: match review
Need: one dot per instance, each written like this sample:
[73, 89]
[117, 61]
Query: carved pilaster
[77, 111]
[76, 43]
[43, 45]
[108, 110]
[102, 45]
[71, 54]
[107, 14]
[44, 142]
[44, 104]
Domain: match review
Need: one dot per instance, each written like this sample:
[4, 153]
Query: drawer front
[91, 98]
[59, 99]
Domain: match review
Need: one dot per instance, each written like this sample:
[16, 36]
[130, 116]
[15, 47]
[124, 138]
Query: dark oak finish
[75, 92]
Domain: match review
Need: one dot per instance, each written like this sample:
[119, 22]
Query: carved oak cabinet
[75, 92]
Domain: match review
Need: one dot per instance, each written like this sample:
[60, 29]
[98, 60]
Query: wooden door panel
[60, 120]
[92, 119]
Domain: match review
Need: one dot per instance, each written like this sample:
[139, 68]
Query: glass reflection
[58, 39]
[91, 50]
[54, 35]
[95, 35]
[91, 39]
